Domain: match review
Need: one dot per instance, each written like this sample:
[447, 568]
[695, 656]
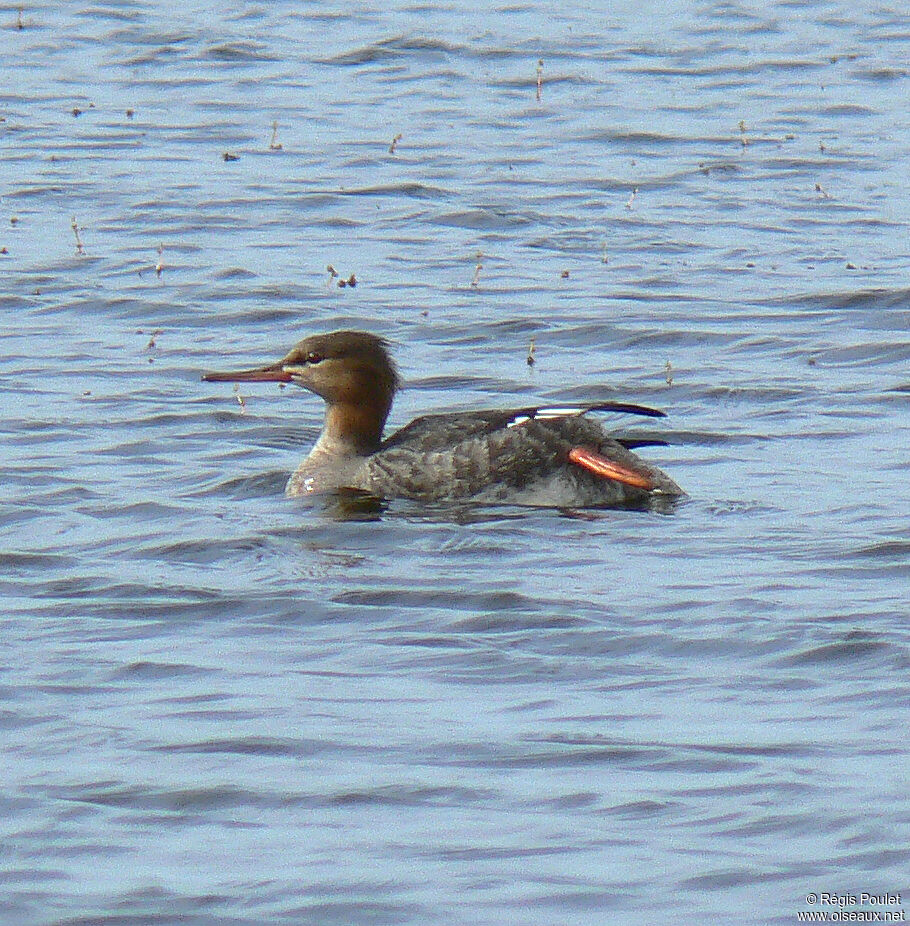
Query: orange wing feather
[607, 469]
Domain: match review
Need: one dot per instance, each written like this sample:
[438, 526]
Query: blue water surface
[220, 706]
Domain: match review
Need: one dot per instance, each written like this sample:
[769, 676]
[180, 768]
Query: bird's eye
[313, 358]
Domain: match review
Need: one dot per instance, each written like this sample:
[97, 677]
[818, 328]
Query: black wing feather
[440, 432]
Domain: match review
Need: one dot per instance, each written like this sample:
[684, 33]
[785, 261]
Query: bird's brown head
[344, 367]
[352, 370]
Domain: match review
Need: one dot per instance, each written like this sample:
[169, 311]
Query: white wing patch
[567, 411]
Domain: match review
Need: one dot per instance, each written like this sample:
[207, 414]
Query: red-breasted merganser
[528, 456]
